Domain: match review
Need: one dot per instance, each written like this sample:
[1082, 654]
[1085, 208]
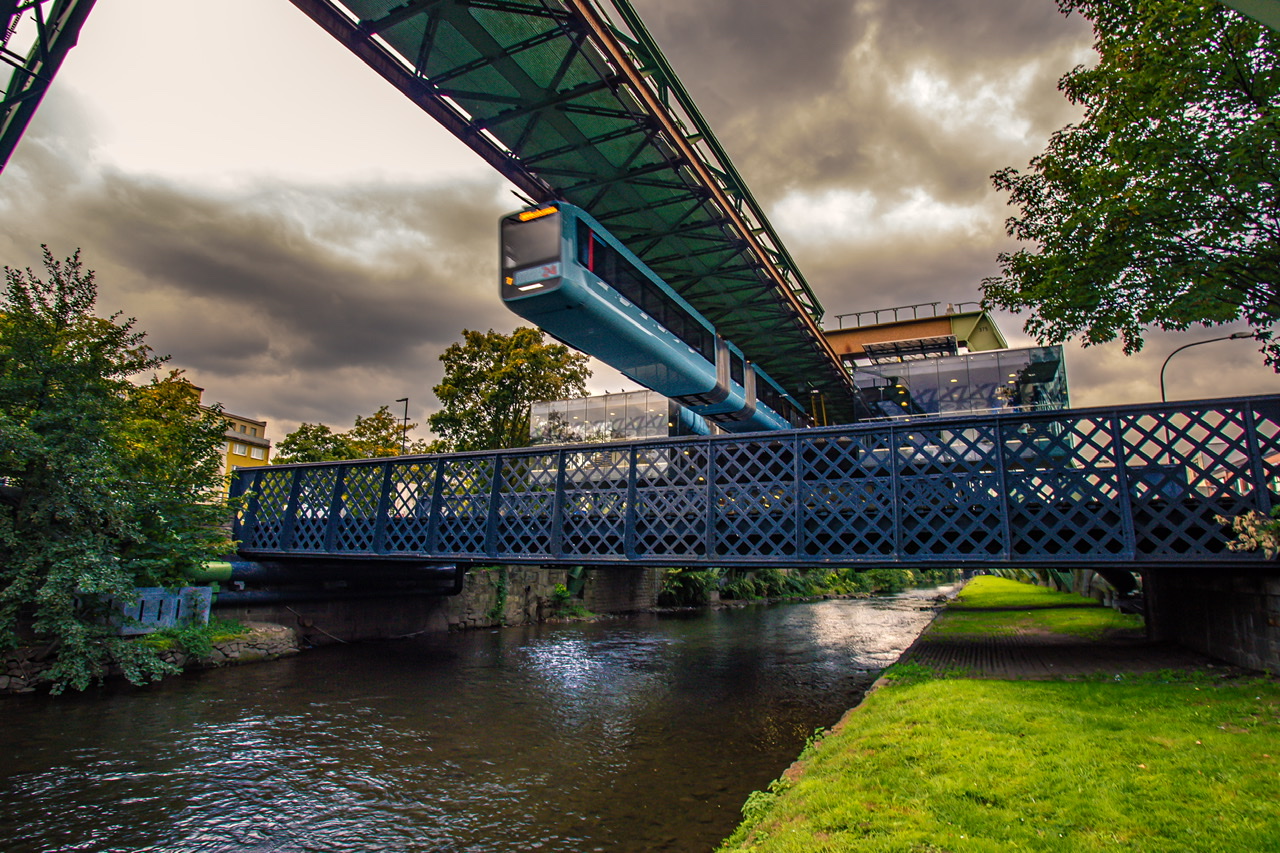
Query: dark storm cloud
[352, 277]
[906, 107]
[818, 92]
[286, 302]
[909, 106]
[867, 130]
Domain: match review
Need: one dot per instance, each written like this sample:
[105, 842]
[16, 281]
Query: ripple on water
[625, 735]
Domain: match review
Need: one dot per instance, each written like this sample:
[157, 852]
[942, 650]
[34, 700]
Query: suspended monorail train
[562, 271]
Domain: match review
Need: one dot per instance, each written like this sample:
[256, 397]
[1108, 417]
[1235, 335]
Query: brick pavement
[1031, 654]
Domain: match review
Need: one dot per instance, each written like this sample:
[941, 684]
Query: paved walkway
[1029, 654]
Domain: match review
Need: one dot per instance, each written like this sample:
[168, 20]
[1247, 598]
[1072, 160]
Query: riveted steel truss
[35, 36]
[1134, 487]
[572, 99]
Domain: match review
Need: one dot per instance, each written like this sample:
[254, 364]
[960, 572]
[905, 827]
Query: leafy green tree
[96, 513]
[378, 435]
[1160, 207]
[313, 443]
[491, 379]
[169, 446]
[374, 436]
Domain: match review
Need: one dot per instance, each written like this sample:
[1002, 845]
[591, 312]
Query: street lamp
[404, 433]
[1234, 336]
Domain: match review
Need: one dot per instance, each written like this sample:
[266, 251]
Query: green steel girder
[568, 100]
[55, 25]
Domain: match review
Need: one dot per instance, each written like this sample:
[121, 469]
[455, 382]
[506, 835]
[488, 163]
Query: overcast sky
[305, 242]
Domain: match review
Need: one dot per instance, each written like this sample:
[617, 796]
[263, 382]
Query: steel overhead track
[52, 28]
[568, 103]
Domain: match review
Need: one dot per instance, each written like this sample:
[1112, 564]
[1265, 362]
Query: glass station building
[611, 417]
[924, 361]
[1024, 380]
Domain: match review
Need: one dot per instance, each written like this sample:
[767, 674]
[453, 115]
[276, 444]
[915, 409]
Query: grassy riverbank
[937, 760]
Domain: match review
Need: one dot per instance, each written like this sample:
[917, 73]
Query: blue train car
[562, 271]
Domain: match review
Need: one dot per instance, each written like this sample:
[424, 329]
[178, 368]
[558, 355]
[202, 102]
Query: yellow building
[247, 445]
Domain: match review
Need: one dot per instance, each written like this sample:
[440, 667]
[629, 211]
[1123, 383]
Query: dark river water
[639, 733]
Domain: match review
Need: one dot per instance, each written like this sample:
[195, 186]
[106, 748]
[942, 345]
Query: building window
[253, 431]
[240, 449]
[258, 453]
[243, 428]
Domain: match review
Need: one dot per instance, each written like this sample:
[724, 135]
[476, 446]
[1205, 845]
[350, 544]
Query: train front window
[530, 242]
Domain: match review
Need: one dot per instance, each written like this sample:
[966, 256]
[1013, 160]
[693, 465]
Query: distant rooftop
[899, 313]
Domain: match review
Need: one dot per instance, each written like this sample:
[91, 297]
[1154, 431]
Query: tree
[99, 510]
[491, 379]
[373, 436]
[169, 446]
[313, 443]
[380, 434]
[1160, 207]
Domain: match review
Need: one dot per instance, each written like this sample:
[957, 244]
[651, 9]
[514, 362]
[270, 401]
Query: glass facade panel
[608, 417]
[985, 382]
[1029, 379]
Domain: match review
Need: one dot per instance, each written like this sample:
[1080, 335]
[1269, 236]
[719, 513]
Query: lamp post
[404, 432]
[1234, 336]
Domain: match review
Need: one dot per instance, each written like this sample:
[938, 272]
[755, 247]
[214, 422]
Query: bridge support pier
[1231, 613]
[516, 595]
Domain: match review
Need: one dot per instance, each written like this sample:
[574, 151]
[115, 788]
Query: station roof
[918, 336]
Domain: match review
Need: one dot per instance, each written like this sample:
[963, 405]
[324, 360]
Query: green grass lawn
[1171, 762]
[992, 605]
[988, 592]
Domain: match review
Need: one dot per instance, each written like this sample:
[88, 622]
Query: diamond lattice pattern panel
[1137, 485]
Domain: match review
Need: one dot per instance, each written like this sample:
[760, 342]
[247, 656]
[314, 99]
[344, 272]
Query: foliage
[313, 443]
[1159, 208]
[378, 435]
[562, 604]
[374, 436]
[497, 613]
[170, 446]
[688, 587]
[491, 379]
[560, 596]
[109, 476]
[1254, 531]
[196, 640]
[693, 587]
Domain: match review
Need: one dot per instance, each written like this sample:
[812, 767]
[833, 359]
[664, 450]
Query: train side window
[736, 370]
[586, 254]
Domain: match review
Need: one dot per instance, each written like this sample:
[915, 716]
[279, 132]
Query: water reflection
[636, 734]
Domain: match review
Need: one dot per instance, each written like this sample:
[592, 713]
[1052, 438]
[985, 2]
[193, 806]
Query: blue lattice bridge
[1132, 487]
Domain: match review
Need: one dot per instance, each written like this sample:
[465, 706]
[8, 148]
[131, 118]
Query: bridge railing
[1140, 485]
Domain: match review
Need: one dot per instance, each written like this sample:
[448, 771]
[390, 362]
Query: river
[629, 734]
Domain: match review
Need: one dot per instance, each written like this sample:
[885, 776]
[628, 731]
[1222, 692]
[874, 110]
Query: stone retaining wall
[1228, 613]
[25, 669]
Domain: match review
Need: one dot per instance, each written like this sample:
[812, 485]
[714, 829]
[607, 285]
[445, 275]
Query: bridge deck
[1134, 486]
